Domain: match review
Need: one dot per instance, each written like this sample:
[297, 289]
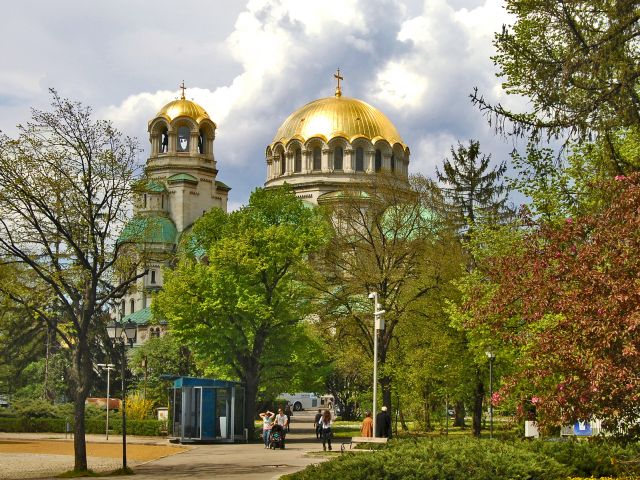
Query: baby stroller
[276, 437]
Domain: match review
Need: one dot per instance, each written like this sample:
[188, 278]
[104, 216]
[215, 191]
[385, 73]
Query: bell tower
[182, 159]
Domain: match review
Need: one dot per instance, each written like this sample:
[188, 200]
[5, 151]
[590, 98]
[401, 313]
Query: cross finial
[183, 89]
[338, 77]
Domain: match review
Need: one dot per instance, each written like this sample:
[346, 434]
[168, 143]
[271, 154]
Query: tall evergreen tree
[475, 194]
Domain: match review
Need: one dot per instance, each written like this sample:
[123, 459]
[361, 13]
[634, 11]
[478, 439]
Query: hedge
[58, 425]
[470, 459]
[464, 459]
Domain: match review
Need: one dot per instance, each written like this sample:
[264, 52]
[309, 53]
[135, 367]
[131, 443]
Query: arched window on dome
[183, 139]
[393, 162]
[283, 164]
[378, 160]
[317, 158]
[164, 140]
[202, 141]
[359, 159]
[297, 165]
[338, 156]
[132, 305]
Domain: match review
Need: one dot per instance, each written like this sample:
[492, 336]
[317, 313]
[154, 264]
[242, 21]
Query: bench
[357, 440]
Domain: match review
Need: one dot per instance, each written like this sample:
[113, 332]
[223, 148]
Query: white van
[301, 401]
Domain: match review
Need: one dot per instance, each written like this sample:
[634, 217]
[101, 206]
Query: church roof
[338, 116]
[149, 229]
[222, 186]
[152, 186]
[141, 317]
[182, 177]
[183, 108]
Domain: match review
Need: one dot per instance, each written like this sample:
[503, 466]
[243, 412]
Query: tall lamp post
[108, 367]
[123, 333]
[491, 356]
[377, 326]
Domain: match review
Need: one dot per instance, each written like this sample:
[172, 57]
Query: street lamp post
[123, 333]
[377, 326]
[108, 367]
[491, 357]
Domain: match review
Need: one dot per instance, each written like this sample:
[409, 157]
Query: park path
[240, 461]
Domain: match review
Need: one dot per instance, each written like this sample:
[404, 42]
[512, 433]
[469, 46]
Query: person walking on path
[316, 423]
[383, 424]
[267, 424]
[289, 414]
[366, 430]
[282, 420]
[325, 429]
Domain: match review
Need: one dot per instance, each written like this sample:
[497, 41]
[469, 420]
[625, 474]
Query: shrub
[138, 408]
[437, 459]
[595, 458]
[58, 425]
[34, 408]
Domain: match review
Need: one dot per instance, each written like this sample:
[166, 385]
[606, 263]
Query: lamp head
[372, 295]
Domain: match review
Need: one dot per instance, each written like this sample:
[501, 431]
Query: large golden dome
[337, 116]
[183, 108]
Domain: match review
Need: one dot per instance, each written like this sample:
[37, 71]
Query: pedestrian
[366, 430]
[383, 424]
[289, 414]
[316, 423]
[325, 429]
[267, 424]
[283, 420]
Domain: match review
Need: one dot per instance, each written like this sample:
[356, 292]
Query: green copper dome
[149, 229]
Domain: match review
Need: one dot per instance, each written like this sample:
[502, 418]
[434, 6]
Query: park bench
[357, 440]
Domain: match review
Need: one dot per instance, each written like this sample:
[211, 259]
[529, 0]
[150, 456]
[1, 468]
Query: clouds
[251, 65]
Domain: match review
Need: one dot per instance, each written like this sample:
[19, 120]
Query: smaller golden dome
[183, 108]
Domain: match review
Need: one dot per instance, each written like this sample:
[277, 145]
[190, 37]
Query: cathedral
[322, 148]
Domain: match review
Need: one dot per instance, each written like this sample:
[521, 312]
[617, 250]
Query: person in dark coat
[317, 423]
[383, 424]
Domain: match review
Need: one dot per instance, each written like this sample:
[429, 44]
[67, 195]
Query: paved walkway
[222, 461]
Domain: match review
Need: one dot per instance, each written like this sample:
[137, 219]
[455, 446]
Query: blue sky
[250, 64]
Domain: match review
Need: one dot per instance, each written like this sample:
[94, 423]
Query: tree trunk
[81, 377]
[385, 384]
[459, 414]
[403, 423]
[250, 392]
[478, 398]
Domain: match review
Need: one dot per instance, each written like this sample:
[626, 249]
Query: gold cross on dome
[338, 77]
[181, 86]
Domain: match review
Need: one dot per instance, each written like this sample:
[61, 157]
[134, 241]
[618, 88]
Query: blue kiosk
[206, 410]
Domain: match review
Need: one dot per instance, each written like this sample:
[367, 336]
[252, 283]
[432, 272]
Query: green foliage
[595, 458]
[34, 408]
[462, 459]
[576, 64]
[242, 308]
[158, 356]
[58, 425]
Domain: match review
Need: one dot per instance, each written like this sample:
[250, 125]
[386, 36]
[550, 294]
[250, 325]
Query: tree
[473, 192]
[243, 307]
[576, 63]
[566, 299]
[163, 355]
[64, 192]
[476, 197]
[389, 240]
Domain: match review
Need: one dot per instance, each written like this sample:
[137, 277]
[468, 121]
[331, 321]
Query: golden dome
[337, 116]
[183, 108]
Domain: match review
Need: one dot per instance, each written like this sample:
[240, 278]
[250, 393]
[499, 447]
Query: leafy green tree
[388, 240]
[243, 306]
[577, 65]
[158, 356]
[64, 193]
